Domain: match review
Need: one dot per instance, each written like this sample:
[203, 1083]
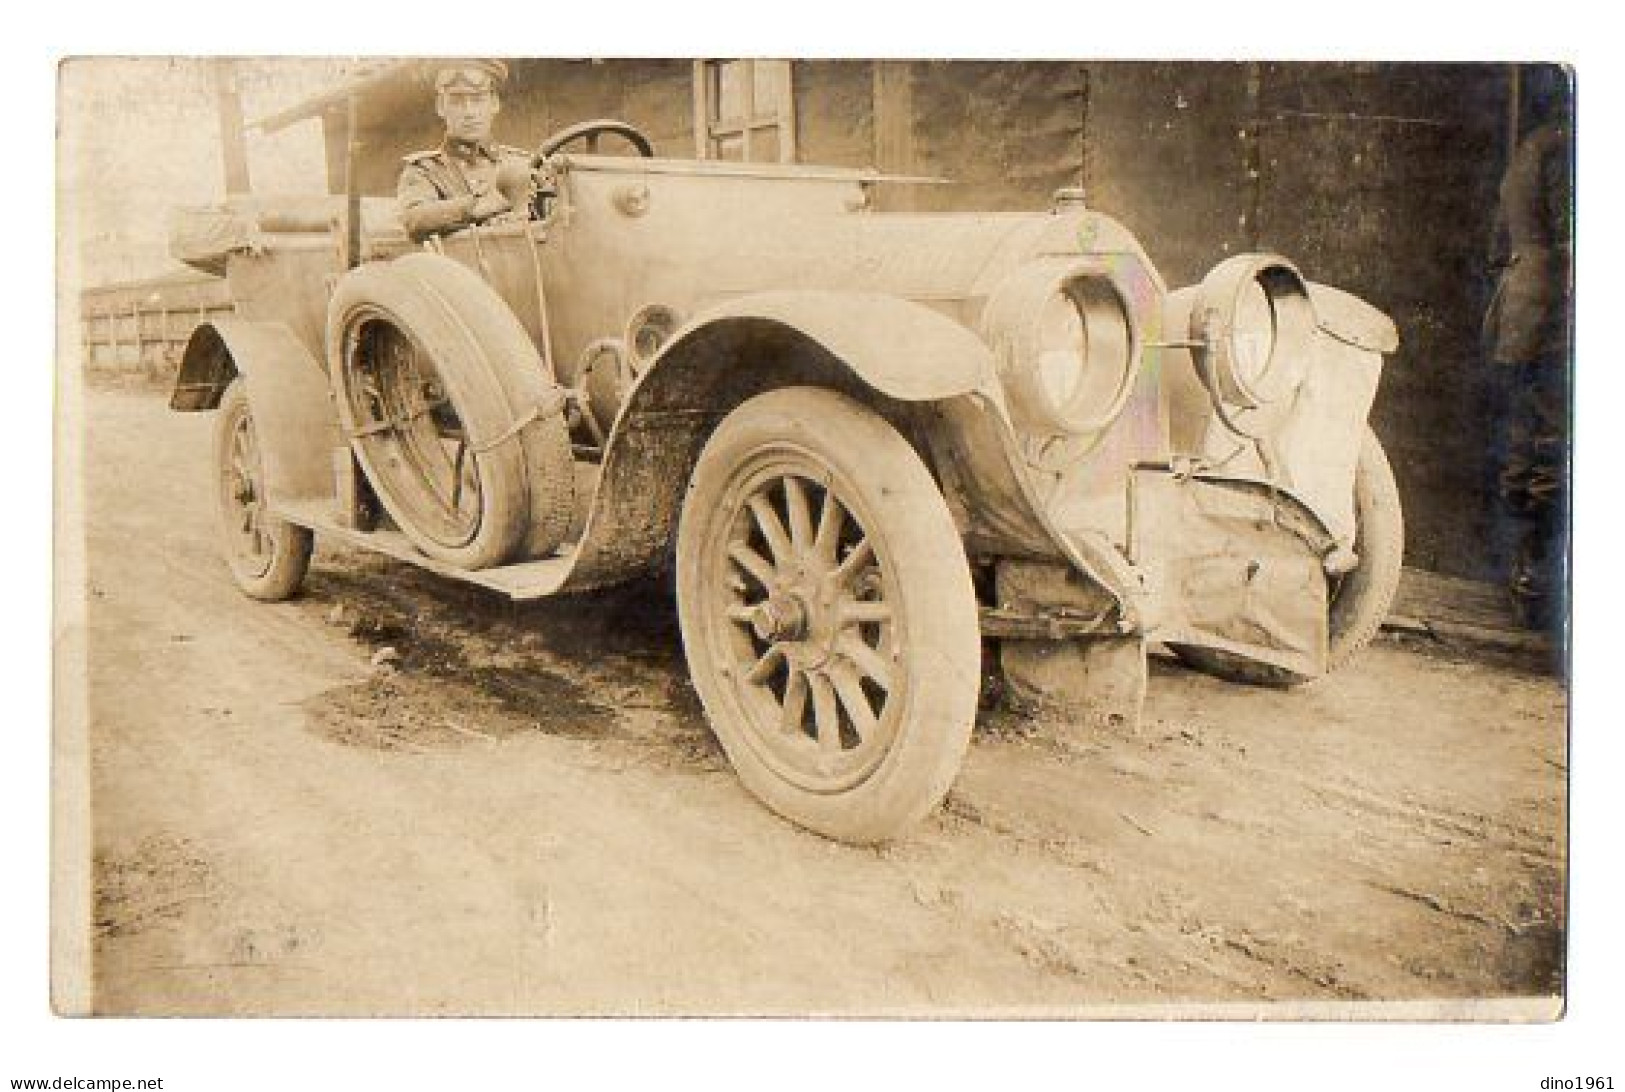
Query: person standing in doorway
[1529, 334]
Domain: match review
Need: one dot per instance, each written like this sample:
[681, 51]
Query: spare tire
[451, 412]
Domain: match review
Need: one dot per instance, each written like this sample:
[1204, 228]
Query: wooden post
[352, 185]
[335, 142]
[787, 120]
[233, 135]
[135, 317]
[894, 127]
[702, 113]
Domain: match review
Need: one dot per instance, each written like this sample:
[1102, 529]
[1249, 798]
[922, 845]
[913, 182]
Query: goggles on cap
[471, 76]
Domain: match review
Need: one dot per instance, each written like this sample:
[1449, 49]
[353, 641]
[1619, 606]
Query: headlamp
[1066, 350]
[1254, 325]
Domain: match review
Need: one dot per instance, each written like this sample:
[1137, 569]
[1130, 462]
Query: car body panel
[1232, 565]
[294, 423]
[805, 284]
[1318, 443]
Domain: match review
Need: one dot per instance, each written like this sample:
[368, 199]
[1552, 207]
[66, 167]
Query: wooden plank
[787, 126]
[894, 126]
[1434, 597]
[233, 141]
[1466, 633]
[352, 186]
[702, 119]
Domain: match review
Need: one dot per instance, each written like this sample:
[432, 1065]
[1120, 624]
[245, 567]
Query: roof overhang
[379, 90]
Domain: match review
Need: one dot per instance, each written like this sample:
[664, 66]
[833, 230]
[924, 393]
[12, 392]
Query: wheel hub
[819, 667]
[780, 618]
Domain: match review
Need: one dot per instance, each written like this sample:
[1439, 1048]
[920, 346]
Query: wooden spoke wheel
[268, 556]
[828, 614]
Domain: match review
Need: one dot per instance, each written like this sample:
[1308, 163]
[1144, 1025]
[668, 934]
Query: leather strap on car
[551, 405]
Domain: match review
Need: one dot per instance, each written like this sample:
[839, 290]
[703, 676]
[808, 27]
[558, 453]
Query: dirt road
[527, 814]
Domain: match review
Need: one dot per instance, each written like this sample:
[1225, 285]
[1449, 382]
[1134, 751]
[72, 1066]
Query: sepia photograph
[901, 539]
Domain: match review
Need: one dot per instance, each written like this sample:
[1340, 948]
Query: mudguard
[902, 349]
[876, 347]
[287, 393]
[1352, 320]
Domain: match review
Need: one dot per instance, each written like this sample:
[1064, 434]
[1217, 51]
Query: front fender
[902, 349]
[287, 394]
[207, 367]
[925, 372]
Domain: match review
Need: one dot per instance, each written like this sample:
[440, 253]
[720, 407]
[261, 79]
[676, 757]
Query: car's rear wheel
[828, 614]
[268, 557]
[1360, 600]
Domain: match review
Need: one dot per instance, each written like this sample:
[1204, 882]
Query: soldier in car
[469, 179]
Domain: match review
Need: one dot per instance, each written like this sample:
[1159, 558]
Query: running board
[524, 580]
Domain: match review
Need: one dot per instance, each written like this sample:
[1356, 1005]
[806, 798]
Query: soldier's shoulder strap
[440, 170]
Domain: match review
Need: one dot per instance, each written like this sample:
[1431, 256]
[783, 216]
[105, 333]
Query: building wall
[1383, 180]
[1007, 135]
[1380, 179]
[1166, 155]
[835, 116]
[1377, 178]
[657, 97]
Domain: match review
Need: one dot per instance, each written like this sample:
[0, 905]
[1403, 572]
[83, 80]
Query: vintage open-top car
[873, 445]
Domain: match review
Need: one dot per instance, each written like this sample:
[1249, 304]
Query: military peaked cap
[470, 75]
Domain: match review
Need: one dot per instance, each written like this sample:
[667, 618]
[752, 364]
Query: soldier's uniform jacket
[1528, 321]
[1528, 328]
[438, 188]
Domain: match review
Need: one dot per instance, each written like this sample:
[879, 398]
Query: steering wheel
[590, 131]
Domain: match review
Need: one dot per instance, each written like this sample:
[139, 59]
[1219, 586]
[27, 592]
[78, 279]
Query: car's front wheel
[828, 614]
[268, 557]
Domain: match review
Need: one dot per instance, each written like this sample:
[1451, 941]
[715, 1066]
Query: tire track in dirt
[522, 810]
[618, 685]
[1206, 949]
[1491, 832]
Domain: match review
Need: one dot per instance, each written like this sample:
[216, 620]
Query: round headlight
[647, 333]
[1104, 384]
[1063, 349]
[1256, 326]
[1254, 334]
[1066, 351]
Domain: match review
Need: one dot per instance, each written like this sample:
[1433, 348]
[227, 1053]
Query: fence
[143, 326]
